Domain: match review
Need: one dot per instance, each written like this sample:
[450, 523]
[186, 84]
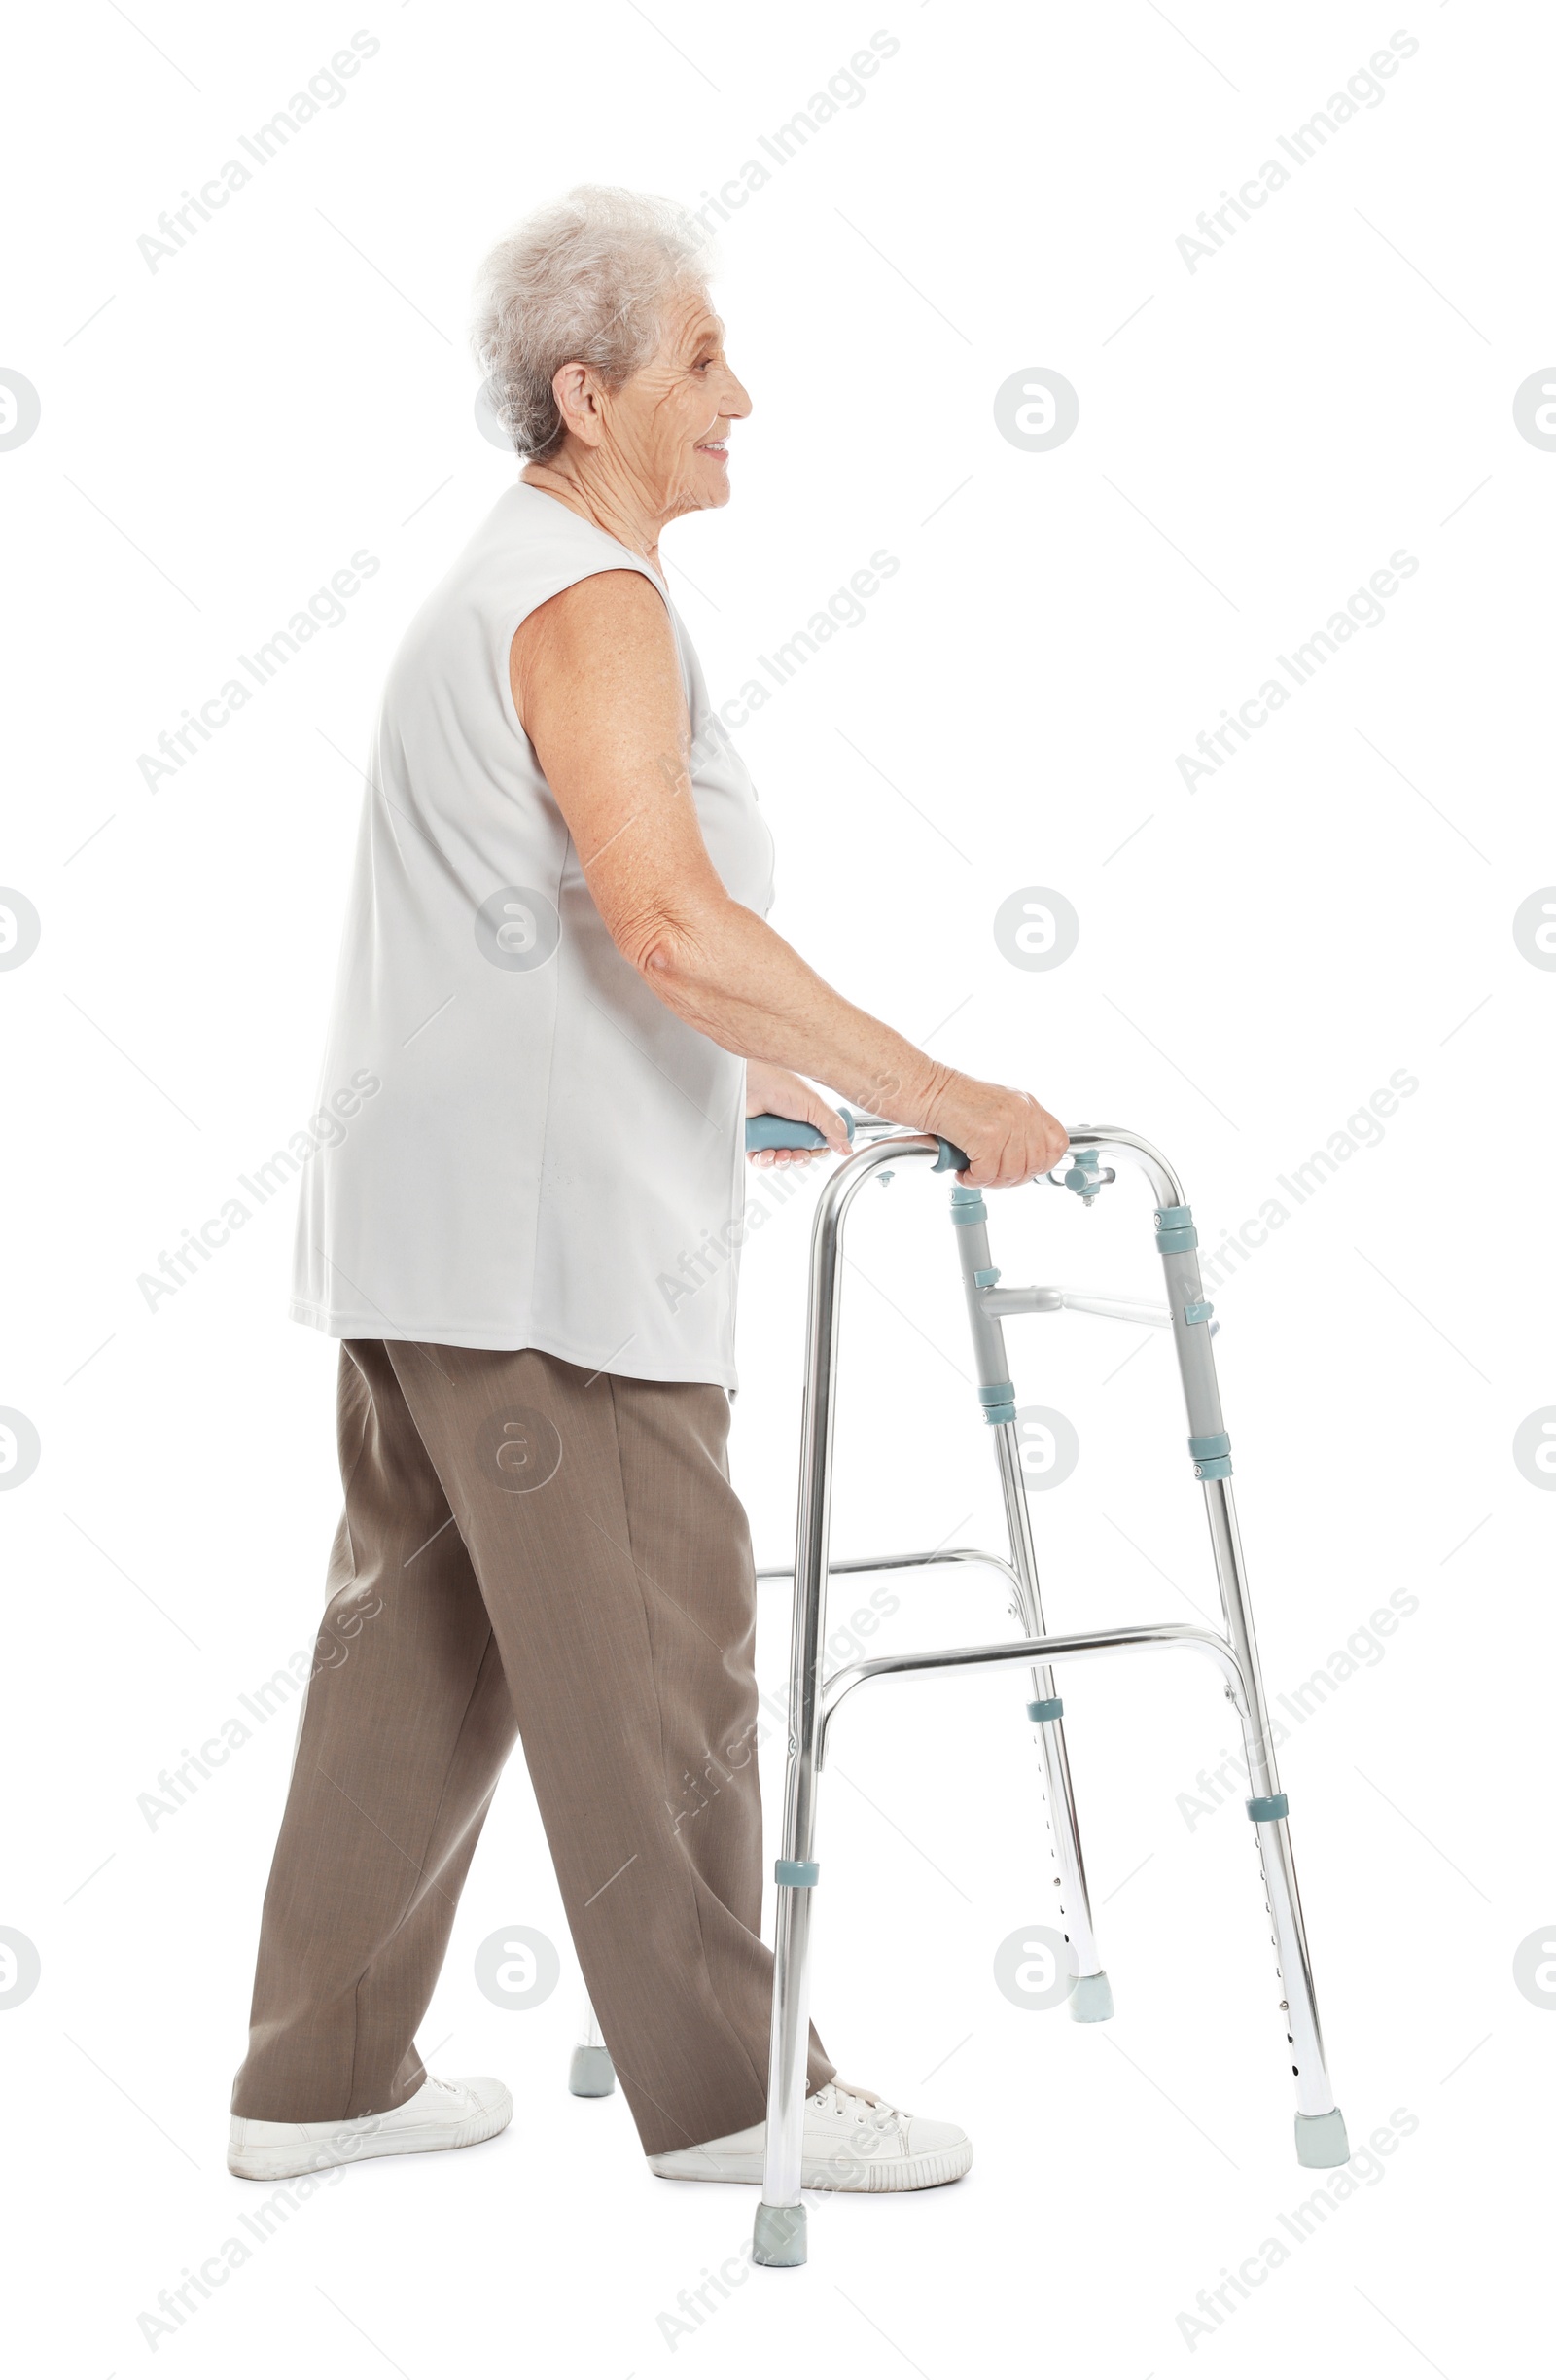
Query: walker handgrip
[782, 1132]
[950, 1160]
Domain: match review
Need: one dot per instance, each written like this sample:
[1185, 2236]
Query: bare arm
[597, 686]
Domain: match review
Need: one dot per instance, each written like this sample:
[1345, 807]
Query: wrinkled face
[665, 428]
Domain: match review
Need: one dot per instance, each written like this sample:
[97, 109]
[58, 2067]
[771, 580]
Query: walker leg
[1320, 2137]
[1091, 2000]
[591, 2075]
[779, 2236]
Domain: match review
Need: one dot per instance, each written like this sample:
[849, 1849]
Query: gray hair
[582, 281]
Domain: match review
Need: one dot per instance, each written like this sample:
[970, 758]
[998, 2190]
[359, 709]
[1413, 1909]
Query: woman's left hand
[772, 1090]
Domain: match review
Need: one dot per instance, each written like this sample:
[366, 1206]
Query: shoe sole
[926, 2172]
[280, 2164]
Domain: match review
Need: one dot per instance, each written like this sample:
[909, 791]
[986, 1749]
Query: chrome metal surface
[971, 1239]
[1085, 1645]
[902, 1561]
[1064, 1826]
[1294, 1963]
[791, 1983]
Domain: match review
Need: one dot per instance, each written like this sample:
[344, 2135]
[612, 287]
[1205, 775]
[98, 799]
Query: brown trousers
[526, 1549]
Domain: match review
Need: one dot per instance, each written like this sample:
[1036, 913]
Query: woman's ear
[577, 393]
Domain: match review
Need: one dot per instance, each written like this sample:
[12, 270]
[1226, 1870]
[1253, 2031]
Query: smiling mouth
[717, 447]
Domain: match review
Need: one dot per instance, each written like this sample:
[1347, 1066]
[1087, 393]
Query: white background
[1255, 958]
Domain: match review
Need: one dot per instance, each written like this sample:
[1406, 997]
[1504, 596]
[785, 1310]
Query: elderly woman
[557, 1000]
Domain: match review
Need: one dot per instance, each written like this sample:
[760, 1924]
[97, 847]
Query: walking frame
[814, 1699]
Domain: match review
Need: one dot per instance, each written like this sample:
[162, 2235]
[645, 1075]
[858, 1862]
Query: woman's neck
[601, 496]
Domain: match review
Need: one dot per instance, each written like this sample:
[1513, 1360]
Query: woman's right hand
[1009, 1136]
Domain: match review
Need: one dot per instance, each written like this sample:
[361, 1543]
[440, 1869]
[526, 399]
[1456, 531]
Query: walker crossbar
[1095, 1157]
[902, 1561]
[1038, 1649]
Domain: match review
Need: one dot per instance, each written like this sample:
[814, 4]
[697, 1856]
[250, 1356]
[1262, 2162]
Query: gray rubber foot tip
[591, 2075]
[1321, 2140]
[1091, 2001]
[779, 2236]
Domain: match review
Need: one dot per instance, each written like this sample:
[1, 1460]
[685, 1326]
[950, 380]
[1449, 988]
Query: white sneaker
[854, 2140]
[439, 2115]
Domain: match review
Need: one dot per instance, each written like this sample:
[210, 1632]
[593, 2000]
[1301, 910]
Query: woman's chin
[705, 494]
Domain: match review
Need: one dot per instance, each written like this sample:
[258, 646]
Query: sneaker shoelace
[874, 2117]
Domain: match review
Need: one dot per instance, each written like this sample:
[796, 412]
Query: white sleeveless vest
[531, 1151]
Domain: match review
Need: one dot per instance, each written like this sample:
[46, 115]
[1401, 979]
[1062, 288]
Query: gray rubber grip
[951, 1159]
[781, 1132]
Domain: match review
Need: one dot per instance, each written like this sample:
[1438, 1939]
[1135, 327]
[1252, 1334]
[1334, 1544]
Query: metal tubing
[904, 1561]
[1315, 2095]
[1006, 1301]
[1196, 1365]
[1045, 1649]
[993, 1367]
[791, 1973]
[1075, 1899]
[1220, 1515]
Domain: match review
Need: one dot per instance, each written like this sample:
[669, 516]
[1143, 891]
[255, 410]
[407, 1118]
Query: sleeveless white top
[523, 1147]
